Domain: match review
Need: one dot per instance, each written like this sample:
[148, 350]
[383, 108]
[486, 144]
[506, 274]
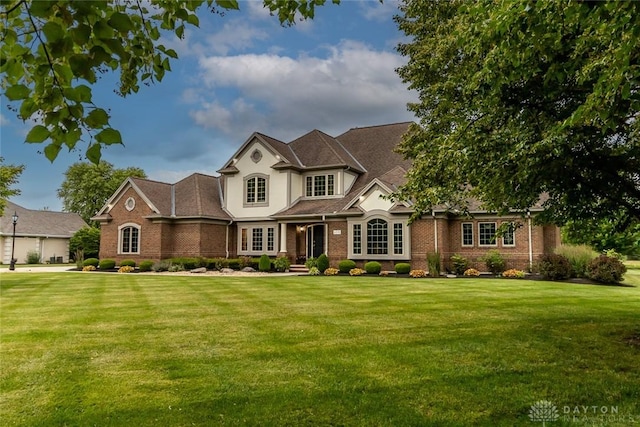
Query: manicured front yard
[118, 349]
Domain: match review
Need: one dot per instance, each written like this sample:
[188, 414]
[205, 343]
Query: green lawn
[116, 349]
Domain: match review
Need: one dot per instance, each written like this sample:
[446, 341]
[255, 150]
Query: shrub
[282, 263]
[472, 272]
[346, 265]
[331, 271]
[33, 257]
[235, 264]
[313, 271]
[372, 267]
[612, 253]
[605, 269]
[146, 265]
[188, 263]
[217, 263]
[245, 261]
[459, 263]
[323, 263]
[417, 273]
[403, 268]
[265, 263]
[433, 261]
[579, 257]
[554, 267]
[127, 263]
[106, 264]
[356, 272]
[89, 268]
[161, 266]
[126, 269]
[513, 274]
[90, 261]
[311, 262]
[174, 268]
[494, 261]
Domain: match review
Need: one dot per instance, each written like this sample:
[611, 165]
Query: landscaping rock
[199, 270]
[248, 270]
[227, 270]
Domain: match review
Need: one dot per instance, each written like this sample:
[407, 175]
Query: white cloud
[353, 86]
[3, 120]
[234, 36]
[376, 11]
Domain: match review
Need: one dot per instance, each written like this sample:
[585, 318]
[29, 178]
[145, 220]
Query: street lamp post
[14, 219]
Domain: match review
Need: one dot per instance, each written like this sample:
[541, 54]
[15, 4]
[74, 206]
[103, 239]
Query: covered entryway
[315, 240]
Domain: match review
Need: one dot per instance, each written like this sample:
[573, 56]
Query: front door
[315, 240]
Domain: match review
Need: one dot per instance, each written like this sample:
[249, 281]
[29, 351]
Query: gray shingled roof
[197, 195]
[317, 149]
[40, 223]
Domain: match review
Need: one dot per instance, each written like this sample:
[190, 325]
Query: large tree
[522, 100]
[9, 175]
[88, 186]
[53, 51]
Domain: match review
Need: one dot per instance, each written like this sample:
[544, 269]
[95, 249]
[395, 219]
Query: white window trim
[495, 240]
[265, 233]
[462, 235]
[123, 226]
[406, 238]
[336, 187]
[513, 231]
[266, 190]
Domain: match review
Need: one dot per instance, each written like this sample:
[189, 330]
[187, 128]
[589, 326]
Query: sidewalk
[44, 269]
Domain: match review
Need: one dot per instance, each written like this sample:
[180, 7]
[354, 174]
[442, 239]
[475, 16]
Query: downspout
[530, 242]
[435, 230]
[326, 236]
[226, 245]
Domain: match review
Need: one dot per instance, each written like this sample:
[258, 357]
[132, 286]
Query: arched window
[255, 189]
[377, 237]
[129, 239]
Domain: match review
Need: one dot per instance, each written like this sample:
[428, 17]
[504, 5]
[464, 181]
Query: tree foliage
[9, 175]
[87, 186]
[615, 232]
[523, 99]
[86, 240]
[53, 51]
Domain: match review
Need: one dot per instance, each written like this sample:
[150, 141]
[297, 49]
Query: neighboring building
[44, 232]
[316, 194]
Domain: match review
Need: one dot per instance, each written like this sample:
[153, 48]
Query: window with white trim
[320, 185]
[378, 238]
[487, 234]
[255, 190]
[129, 239]
[508, 236]
[257, 239]
[357, 239]
[467, 234]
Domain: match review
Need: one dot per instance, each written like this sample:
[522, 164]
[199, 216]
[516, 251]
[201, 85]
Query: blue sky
[237, 74]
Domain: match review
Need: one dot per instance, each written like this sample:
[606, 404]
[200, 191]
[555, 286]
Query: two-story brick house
[316, 194]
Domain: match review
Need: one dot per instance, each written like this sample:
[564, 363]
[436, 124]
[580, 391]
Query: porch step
[298, 268]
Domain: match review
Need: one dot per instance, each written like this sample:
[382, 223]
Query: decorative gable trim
[229, 167]
[113, 200]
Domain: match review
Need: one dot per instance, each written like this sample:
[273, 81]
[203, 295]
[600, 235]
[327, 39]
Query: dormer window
[256, 190]
[320, 185]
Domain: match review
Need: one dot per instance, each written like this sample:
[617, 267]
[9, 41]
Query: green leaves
[52, 52]
[516, 103]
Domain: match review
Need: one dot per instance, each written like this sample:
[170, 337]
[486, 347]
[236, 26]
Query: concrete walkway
[42, 269]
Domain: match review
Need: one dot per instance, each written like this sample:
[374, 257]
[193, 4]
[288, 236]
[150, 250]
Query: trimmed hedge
[346, 265]
[373, 267]
[146, 265]
[127, 263]
[265, 263]
[107, 264]
[403, 268]
[323, 263]
[90, 261]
